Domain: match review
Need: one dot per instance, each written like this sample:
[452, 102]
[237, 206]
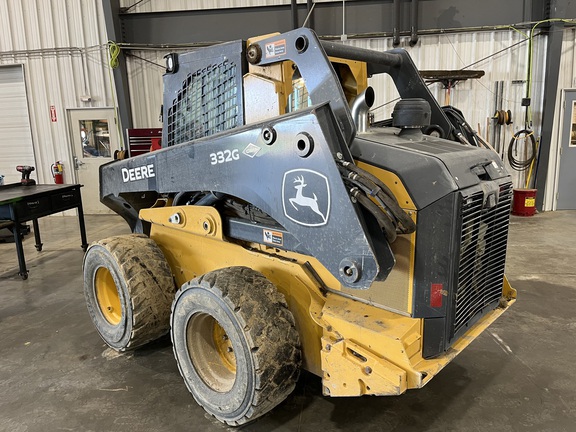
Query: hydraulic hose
[388, 213]
[461, 126]
[354, 168]
[381, 191]
[383, 221]
[355, 181]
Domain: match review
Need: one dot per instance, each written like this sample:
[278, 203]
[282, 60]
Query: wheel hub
[107, 296]
[211, 352]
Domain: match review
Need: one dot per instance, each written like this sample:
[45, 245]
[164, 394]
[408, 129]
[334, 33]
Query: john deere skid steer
[277, 230]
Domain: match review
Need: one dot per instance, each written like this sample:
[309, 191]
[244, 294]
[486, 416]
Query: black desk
[28, 203]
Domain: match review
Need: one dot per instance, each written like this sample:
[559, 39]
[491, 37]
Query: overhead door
[15, 135]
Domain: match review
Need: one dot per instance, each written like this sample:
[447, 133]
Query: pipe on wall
[294, 11]
[396, 25]
[310, 5]
[414, 23]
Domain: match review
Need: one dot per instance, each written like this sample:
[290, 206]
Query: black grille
[482, 257]
[206, 104]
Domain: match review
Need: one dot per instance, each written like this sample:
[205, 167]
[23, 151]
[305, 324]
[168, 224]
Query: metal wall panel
[145, 70]
[61, 45]
[16, 144]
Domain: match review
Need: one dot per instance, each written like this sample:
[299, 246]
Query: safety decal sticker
[306, 197]
[273, 237]
[251, 150]
[275, 49]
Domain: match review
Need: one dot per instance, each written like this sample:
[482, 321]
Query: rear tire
[129, 289]
[235, 343]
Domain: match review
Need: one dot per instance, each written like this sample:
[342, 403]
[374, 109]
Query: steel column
[114, 30]
[553, 57]
[294, 11]
[309, 6]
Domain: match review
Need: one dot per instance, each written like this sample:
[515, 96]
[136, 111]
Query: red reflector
[436, 295]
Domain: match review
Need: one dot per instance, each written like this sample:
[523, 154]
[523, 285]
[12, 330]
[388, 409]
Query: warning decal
[275, 49]
[529, 202]
[273, 237]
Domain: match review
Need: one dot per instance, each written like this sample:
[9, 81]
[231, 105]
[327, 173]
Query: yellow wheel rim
[211, 352]
[224, 347]
[107, 296]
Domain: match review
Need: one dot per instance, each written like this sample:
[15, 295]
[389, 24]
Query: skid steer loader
[276, 230]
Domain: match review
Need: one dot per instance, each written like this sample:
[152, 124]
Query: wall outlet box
[86, 98]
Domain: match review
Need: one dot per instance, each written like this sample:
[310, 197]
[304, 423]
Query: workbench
[20, 204]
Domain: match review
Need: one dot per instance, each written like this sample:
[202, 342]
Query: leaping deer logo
[304, 201]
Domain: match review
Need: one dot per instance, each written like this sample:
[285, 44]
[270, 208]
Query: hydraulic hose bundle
[364, 186]
[462, 130]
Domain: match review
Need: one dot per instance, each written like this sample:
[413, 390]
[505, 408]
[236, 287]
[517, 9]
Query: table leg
[20, 251]
[82, 227]
[37, 235]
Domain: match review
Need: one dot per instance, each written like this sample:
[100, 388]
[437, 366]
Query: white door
[94, 138]
[16, 138]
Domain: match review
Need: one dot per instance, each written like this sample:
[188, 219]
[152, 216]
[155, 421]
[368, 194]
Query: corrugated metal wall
[16, 144]
[476, 98]
[60, 44]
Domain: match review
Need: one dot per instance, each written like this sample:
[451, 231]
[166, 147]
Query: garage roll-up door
[15, 135]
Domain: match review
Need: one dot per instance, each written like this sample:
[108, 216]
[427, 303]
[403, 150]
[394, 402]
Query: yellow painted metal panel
[357, 348]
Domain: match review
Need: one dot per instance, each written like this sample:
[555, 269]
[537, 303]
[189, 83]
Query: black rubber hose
[517, 164]
[407, 225]
[355, 181]
[388, 208]
[355, 168]
[460, 124]
[385, 194]
[383, 221]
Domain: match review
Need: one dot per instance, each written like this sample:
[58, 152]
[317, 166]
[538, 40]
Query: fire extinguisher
[57, 172]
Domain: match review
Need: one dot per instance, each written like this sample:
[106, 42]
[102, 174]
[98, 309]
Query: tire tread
[149, 282]
[270, 331]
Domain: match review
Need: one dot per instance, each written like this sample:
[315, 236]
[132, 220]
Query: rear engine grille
[482, 257]
[206, 104]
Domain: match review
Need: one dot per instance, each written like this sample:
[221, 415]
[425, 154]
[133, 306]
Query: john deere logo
[306, 197]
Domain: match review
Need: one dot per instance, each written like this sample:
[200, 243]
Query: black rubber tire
[260, 329]
[145, 289]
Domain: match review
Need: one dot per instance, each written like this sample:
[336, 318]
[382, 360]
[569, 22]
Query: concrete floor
[57, 375]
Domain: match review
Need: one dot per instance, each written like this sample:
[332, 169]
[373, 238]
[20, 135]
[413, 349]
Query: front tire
[235, 343]
[129, 289]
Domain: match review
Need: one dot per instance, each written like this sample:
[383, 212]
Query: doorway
[94, 139]
[566, 196]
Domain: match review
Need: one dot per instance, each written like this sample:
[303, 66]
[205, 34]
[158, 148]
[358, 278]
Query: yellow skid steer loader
[277, 229]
